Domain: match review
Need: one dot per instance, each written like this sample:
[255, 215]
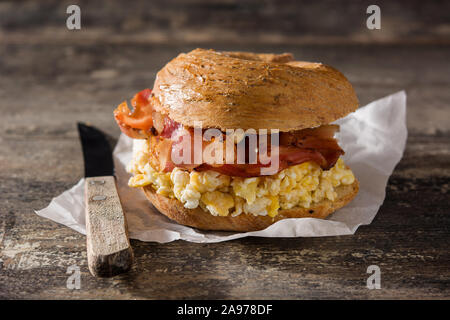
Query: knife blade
[97, 153]
[108, 247]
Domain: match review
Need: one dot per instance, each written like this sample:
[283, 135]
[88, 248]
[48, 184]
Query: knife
[109, 251]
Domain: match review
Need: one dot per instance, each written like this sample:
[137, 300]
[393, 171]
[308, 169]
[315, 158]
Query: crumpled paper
[373, 138]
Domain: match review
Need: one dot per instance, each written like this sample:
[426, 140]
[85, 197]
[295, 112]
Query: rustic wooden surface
[48, 83]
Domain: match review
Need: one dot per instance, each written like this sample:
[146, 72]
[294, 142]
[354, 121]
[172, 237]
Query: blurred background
[51, 77]
[176, 22]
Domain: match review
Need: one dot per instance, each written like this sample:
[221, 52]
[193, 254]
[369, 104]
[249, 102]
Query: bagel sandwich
[207, 106]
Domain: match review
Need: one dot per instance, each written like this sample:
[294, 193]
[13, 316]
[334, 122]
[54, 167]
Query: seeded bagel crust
[231, 90]
[198, 218]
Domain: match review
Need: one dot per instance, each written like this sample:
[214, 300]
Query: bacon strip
[325, 152]
[315, 144]
[138, 122]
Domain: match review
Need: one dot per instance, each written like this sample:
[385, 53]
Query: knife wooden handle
[108, 248]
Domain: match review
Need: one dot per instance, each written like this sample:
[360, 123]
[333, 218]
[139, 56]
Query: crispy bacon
[315, 144]
[322, 136]
[170, 127]
[163, 149]
[288, 156]
[292, 156]
[137, 123]
[320, 139]
[235, 170]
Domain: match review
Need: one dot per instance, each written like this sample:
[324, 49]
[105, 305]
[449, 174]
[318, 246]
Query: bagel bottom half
[198, 218]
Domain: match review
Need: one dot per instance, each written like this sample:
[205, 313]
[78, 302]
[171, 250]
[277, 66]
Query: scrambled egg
[297, 186]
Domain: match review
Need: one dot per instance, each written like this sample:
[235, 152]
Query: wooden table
[48, 84]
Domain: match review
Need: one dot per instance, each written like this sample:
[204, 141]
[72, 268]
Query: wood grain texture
[51, 78]
[109, 251]
[228, 21]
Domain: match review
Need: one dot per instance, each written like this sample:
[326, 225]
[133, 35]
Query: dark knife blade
[98, 160]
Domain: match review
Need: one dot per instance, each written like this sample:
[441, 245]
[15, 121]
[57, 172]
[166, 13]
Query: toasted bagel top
[231, 90]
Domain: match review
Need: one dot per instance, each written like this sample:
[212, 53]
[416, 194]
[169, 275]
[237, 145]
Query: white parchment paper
[373, 138]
